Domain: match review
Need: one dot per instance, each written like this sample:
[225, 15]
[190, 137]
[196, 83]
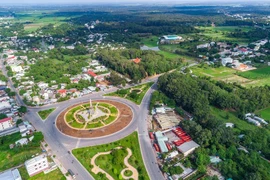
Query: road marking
[78, 142]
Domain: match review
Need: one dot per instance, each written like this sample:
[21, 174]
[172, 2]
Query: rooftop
[35, 159]
[5, 119]
[187, 146]
[11, 175]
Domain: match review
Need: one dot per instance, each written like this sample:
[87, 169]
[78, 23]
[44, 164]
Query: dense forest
[151, 62]
[198, 96]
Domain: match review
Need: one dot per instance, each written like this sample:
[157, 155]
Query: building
[137, 60]
[201, 46]
[92, 74]
[22, 142]
[4, 105]
[16, 69]
[11, 175]
[161, 141]
[167, 120]
[5, 123]
[36, 164]
[170, 39]
[187, 147]
[227, 60]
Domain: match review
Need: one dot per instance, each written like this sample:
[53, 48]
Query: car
[71, 173]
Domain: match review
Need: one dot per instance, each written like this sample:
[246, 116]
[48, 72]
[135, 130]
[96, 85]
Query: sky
[119, 1]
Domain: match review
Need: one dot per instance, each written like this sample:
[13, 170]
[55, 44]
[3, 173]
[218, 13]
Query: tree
[2, 116]
[22, 109]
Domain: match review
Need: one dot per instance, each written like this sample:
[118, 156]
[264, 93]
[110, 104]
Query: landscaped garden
[91, 116]
[19, 154]
[134, 94]
[108, 159]
[45, 113]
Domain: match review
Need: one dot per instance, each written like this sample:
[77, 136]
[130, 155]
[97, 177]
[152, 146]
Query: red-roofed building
[137, 60]
[92, 74]
[5, 123]
[62, 92]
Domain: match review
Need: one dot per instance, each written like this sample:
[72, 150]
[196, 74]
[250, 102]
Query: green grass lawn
[150, 41]
[221, 33]
[45, 113]
[111, 165]
[130, 94]
[18, 155]
[53, 175]
[257, 73]
[265, 114]
[228, 117]
[230, 75]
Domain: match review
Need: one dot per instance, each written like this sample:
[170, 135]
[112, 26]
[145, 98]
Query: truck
[71, 173]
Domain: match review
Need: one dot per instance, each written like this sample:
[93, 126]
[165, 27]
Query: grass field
[230, 75]
[110, 165]
[56, 174]
[265, 114]
[228, 117]
[16, 156]
[134, 94]
[257, 73]
[39, 19]
[45, 113]
[221, 33]
[150, 41]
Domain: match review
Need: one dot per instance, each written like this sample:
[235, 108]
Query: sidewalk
[56, 161]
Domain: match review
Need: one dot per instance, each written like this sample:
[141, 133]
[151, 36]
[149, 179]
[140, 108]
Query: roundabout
[94, 119]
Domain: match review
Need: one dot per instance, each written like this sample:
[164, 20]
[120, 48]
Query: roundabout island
[94, 119]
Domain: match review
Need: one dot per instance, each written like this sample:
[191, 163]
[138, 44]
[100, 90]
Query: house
[161, 141]
[62, 92]
[207, 45]
[5, 123]
[137, 60]
[22, 142]
[187, 147]
[13, 174]
[231, 125]
[92, 74]
[36, 164]
[225, 61]
[16, 69]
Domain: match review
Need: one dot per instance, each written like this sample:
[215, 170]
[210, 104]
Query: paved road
[62, 144]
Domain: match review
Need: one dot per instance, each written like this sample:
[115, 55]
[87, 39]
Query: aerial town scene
[134, 90]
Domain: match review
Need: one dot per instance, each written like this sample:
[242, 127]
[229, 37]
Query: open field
[228, 117]
[16, 156]
[265, 114]
[229, 75]
[134, 94]
[113, 163]
[220, 33]
[36, 19]
[150, 41]
[56, 174]
[45, 113]
[257, 73]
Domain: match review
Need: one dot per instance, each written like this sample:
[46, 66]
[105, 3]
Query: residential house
[13, 174]
[22, 142]
[36, 164]
[6, 123]
[92, 74]
[62, 92]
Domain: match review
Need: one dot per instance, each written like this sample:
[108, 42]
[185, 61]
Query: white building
[16, 69]
[36, 164]
[11, 175]
[5, 123]
[22, 142]
[224, 61]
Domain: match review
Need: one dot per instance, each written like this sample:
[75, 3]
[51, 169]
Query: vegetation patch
[134, 94]
[114, 162]
[257, 73]
[45, 113]
[55, 174]
[19, 154]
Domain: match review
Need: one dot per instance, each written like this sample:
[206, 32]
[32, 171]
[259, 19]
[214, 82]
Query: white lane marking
[78, 142]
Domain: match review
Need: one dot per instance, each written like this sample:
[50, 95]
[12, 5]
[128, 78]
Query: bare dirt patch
[124, 118]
